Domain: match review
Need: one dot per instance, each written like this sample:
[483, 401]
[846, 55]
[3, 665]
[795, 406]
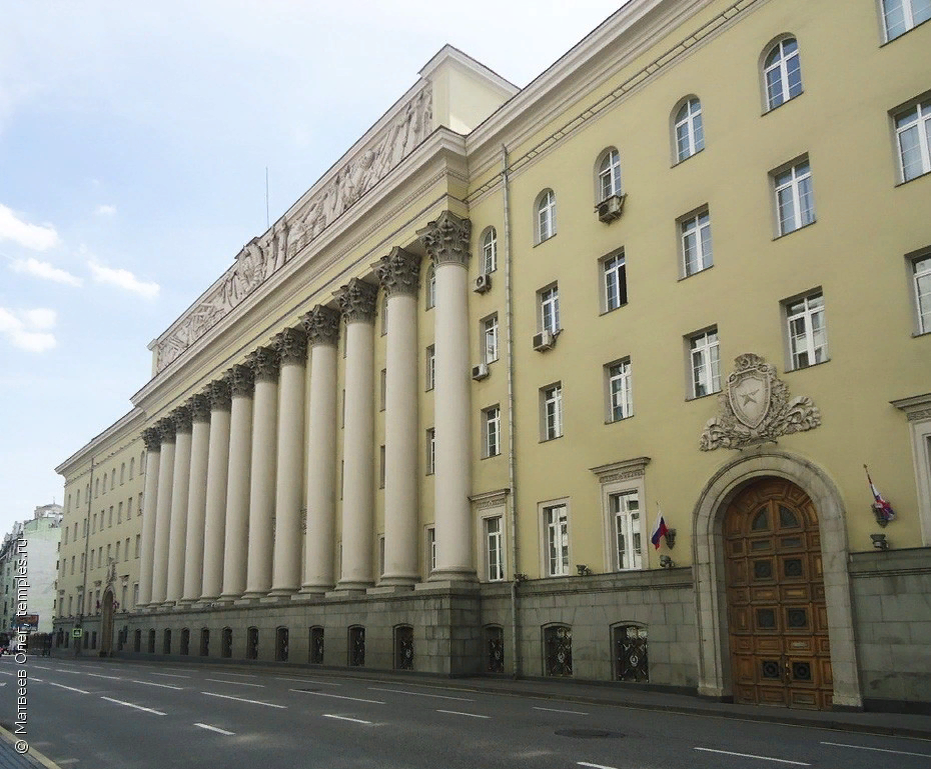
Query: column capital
[321, 325]
[357, 301]
[447, 239]
[291, 345]
[166, 430]
[218, 394]
[182, 418]
[265, 363]
[200, 408]
[152, 438]
[241, 380]
[399, 272]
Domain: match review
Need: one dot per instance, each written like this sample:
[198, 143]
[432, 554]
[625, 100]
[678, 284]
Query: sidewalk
[10, 758]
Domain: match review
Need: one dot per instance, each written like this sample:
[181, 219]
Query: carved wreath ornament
[755, 408]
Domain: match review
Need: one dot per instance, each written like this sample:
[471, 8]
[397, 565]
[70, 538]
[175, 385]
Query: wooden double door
[777, 615]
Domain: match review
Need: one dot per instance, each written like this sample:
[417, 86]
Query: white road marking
[346, 718]
[556, 710]
[242, 699]
[594, 766]
[40, 680]
[7, 673]
[169, 675]
[42, 667]
[97, 675]
[130, 705]
[62, 670]
[750, 755]
[238, 683]
[65, 761]
[337, 696]
[69, 688]
[215, 729]
[881, 750]
[421, 694]
[160, 686]
[307, 681]
[457, 713]
[242, 675]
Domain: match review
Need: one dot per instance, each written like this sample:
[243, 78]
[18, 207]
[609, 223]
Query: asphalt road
[103, 713]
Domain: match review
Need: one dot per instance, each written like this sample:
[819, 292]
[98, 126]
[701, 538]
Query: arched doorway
[106, 624]
[777, 615]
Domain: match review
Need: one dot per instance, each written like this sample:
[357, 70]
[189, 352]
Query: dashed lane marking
[131, 705]
[750, 755]
[594, 766]
[98, 675]
[557, 710]
[243, 699]
[160, 686]
[217, 729]
[421, 694]
[240, 675]
[458, 713]
[337, 696]
[169, 675]
[880, 750]
[238, 683]
[346, 718]
[307, 681]
[69, 688]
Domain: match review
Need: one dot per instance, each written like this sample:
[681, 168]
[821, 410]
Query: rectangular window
[138, 544]
[913, 135]
[551, 411]
[431, 451]
[383, 390]
[795, 204]
[119, 513]
[695, 239]
[494, 548]
[430, 298]
[490, 339]
[491, 431]
[625, 509]
[614, 281]
[109, 552]
[72, 564]
[381, 467]
[381, 555]
[431, 548]
[126, 550]
[705, 363]
[808, 342]
[129, 508]
[135, 594]
[899, 16]
[430, 373]
[620, 393]
[549, 308]
[109, 519]
[490, 251]
[921, 275]
[556, 526]
[384, 314]
[116, 555]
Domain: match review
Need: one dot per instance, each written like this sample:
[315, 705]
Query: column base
[229, 598]
[312, 590]
[254, 594]
[389, 589]
[447, 585]
[246, 600]
[282, 592]
[343, 592]
[276, 598]
[452, 575]
[404, 580]
[186, 602]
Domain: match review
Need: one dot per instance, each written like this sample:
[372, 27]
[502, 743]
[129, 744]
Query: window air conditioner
[611, 208]
[482, 283]
[480, 371]
[544, 341]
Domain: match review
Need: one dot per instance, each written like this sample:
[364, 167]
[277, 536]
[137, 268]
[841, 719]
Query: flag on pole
[881, 505]
[661, 529]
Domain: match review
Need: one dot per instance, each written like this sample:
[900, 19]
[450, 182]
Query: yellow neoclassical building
[431, 419]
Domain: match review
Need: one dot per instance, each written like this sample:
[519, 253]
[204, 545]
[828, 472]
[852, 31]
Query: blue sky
[134, 139]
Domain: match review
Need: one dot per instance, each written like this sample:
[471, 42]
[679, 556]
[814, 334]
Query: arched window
[226, 643]
[142, 461]
[357, 646]
[431, 288]
[97, 488]
[489, 250]
[122, 473]
[315, 652]
[689, 132]
[404, 647]
[782, 72]
[132, 467]
[281, 644]
[545, 215]
[113, 479]
[609, 174]
[630, 653]
[166, 641]
[151, 646]
[252, 643]
[205, 642]
[494, 649]
[557, 650]
[185, 641]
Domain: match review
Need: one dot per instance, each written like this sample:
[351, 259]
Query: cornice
[915, 407]
[624, 469]
[129, 423]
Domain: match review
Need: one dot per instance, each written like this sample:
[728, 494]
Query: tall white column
[218, 453]
[264, 363]
[322, 327]
[179, 494]
[153, 454]
[196, 500]
[447, 243]
[399, 273]
[236, 538]
[166, 470]
[357, 303]
[291, 345]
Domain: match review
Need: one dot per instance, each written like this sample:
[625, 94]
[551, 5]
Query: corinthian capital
[200, 408]
[321, 325]
[447, 239]
[181, 417]
[399, 272]
[152, 438]
[357, 301]
[166, 430]
[264, 362]
[217, 394]
[291, 345]
[241, 380]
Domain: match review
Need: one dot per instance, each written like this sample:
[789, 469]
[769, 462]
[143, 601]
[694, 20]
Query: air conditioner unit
[611, 208]
[482, 283]
[544, 341]
[480, 371]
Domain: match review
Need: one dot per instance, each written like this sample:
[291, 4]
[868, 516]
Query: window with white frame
[546, 215]
[782, 72]
[556, 535]
[382, 389]
[620, 391]
[491, 431]
[430, 372]
[614, 281]
[494, 548]
[548, 299]
[430, 287]
[695, 240]
[690, 134]
[625, 515]
[808, 341]
[551, 411]
[899, 16]
[795, 203]
[490, 339]
[431, 548]
[705, 363]
[609, 175]
[921, 277]
[431, 451]
[489, 250]
[913, 136]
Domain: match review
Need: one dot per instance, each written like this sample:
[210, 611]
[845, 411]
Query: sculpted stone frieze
[357, 301]
[447, 239]
[264, 362]
[755, 408]
[182, 419]
[152, 438]
[321, 325]
[399, 272]
[263, 256]
[291, 345]
[241, 380]
[200, 408]
[218, 394]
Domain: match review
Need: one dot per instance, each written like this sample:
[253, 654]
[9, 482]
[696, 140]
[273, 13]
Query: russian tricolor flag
[661, 529]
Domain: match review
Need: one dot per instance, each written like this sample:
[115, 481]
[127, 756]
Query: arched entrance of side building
[106, 624]
[772, 587]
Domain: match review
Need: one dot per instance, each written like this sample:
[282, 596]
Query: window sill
[916, 334]
[771, 110]
[549, 440]
[797, 229]
[805, 368]
[491, 456]
[544, 240]
[903, 34]
[700, 397]
[914, 179]
[689, 157]
[616, 421]
[697, 272]
[613, 309]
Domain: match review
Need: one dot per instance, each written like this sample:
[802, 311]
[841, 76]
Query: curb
[32, 757]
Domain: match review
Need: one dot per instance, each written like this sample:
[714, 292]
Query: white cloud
[105, 210]
[45, 271]
[123, 279]
[28, 330]
[32, 236]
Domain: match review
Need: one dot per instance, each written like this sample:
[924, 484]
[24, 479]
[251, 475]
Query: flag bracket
[880, 513]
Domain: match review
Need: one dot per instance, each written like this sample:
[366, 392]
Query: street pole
[87, 541]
